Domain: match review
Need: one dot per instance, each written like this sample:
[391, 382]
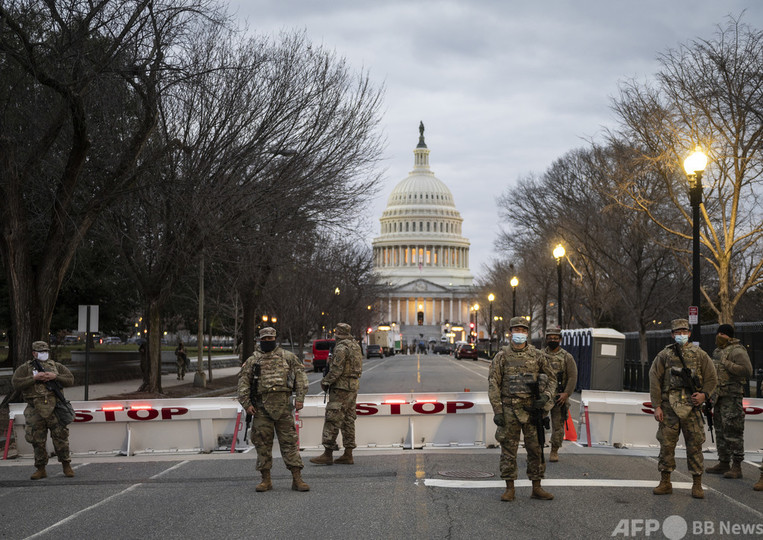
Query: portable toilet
[600, 356]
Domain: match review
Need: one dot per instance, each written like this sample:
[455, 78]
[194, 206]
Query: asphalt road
[430, 493]
[417, 373]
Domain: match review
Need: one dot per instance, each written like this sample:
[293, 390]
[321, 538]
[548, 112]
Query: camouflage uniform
[180, 359]
[281, 372]
[39, 413]
[566, 371]
[733, 367]
[510, 396]
[342, 379]
[679, 414]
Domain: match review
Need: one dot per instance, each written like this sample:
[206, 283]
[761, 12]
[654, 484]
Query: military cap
[343, 330]
[40, 346]
[726, 329]
[679, 324]
[553, 330]
[268, 331]
[519, 321]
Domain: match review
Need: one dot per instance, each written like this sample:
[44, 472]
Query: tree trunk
[249, 324]
[154, 347]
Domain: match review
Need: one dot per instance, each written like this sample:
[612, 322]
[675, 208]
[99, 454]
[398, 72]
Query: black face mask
[552, 344]
[267, 346]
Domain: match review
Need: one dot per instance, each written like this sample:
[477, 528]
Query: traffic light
[471, 325]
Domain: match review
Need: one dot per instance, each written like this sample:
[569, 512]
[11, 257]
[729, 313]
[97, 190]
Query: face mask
[42, 356]
[518, 338]
[721, 341]
[682, 340]
[267, 346]
[552, 345]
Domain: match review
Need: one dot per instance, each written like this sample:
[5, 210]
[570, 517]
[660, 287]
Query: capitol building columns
[422, 256]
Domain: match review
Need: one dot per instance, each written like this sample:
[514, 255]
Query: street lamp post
[558, 255]
[694, 165]
[514, 282]
[476, 323]
[490, 298]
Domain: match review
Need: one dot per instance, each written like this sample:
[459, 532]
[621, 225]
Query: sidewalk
[169, 380]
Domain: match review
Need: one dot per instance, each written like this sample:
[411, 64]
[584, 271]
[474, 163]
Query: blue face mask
[682, 340]
[518, 338]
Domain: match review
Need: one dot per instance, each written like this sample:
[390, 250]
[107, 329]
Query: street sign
[693, 314]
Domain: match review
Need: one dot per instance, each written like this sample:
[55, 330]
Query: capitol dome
[423, 260]
[421, 230]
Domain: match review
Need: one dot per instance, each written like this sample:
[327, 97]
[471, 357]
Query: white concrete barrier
[128, 427]
[626, 418]
[409, 420]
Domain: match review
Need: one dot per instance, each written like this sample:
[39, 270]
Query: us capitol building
[423, 259]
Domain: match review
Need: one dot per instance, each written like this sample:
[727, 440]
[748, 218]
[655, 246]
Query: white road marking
[460, 364]
[558, 482]
[730, 499]
[104, 501]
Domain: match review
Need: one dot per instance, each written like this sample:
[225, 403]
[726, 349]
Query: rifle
[538, 418]
[252, 394]
[691, 383]
[565, 406]
[326, 370]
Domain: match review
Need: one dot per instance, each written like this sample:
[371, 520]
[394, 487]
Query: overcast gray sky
[503, 87]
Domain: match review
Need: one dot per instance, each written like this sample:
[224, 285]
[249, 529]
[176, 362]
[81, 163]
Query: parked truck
[386, 340]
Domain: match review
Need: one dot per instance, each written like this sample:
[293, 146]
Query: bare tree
[708, 93]
[79, 98]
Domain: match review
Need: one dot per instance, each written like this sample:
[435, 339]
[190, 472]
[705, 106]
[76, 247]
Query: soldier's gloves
[540, 403]
[324, 387]
[499, 420]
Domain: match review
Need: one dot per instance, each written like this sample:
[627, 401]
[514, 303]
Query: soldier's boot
[759, 484]
[266, 484]
[554, 455]
[539, 492]
[324, 459]
[664, 487]
[297, 484]
[345, 458]
[696, 489]
[735, 471]
[68, 471]
[39, 473]
[508, 495]
[720, 468]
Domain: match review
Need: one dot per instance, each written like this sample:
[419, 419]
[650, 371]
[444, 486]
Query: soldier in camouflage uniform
[39, 413]
[341, 382]
[566, 372]
[512, 369]
[732, 364]
[275, 374]
[677, 409]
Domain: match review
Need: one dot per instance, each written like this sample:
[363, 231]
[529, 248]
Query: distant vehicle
[443, 348]
[466, 350]
[374, 350]
[385, 339]
[112, 340]
[71, 340]
[321, 350]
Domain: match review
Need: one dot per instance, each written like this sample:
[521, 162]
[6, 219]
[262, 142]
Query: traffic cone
[569, 429]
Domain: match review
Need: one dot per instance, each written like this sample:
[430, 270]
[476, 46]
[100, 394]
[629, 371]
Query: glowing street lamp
[694, 165]
[490, 298]
[514, 282]
[558, 255]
